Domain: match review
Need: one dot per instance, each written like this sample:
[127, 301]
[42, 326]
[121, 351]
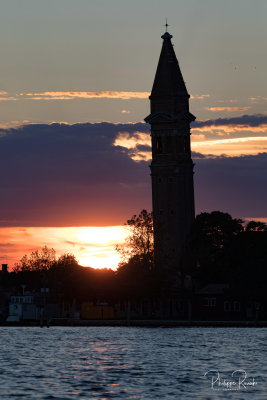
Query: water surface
[132, 363]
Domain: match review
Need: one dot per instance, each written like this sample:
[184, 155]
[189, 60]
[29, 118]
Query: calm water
[132, 363]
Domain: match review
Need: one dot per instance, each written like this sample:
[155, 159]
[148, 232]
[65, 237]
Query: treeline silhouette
[220, 249]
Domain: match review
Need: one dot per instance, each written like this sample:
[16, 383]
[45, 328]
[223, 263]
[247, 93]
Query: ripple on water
[128, 363]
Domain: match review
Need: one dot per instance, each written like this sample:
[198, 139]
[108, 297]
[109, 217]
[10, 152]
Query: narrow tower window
[159, 145]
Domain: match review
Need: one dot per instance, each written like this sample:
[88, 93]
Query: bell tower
[171, 166]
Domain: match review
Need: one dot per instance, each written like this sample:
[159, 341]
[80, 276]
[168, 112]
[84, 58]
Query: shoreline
[139, 323]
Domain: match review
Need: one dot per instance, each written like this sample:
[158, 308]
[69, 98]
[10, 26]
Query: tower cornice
[170, 118]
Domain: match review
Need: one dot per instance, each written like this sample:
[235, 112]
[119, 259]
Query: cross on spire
[166, 25]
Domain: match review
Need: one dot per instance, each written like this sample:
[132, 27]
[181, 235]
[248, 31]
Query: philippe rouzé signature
[238, 380]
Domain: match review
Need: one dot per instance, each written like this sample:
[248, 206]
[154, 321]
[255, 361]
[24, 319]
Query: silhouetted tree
[45, 260]
[247, 259]
[211, 236]
[37, 261]
[65, 261]
[258, 226]
[139, 243]
[135, 272]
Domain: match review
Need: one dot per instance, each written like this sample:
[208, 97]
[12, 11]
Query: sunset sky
[74, 84]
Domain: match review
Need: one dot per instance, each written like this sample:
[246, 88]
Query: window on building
[212, 301]
[209, 301]
[227, 306]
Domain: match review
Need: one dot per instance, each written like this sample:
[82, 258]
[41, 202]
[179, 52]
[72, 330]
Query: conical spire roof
[168, 80]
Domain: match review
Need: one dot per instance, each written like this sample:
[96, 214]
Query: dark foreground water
[133, 363]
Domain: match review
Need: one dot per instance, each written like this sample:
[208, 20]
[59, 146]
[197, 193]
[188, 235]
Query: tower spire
[168, 83]
[171, 166]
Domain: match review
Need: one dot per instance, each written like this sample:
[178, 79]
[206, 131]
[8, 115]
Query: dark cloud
[63, 175]
[232, 184]
[141, 147]
[196, 155]
[247, 120]
[67, 175]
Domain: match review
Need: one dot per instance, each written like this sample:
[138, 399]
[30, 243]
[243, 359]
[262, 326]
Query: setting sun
[97, 245]
[92, 246]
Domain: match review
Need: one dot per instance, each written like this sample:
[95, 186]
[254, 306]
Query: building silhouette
[171, 166]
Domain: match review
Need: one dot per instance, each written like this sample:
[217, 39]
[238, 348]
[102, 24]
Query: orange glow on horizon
[92, 246]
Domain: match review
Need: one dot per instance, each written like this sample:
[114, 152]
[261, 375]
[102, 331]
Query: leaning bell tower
[171, 166]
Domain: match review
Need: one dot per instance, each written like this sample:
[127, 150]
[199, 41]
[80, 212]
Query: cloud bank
[87, 95]
[244, 121]
[84, 175]
[228, 109]
[72, 95]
